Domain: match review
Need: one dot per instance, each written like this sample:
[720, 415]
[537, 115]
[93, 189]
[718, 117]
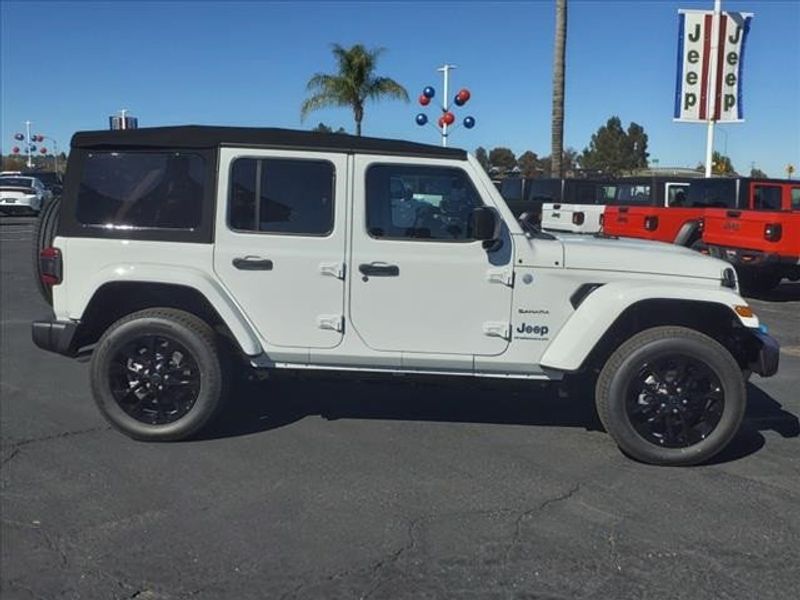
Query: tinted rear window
[767, 197]
[22, 182]
[142, 190]
[715, 193]
[545, 190]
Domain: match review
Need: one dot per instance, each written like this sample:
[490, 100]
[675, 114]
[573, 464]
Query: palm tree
[353, 85]
[557, 140]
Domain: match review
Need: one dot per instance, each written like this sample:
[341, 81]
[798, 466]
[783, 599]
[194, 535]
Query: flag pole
[712, 86]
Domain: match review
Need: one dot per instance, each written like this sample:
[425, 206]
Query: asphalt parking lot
[325, 488]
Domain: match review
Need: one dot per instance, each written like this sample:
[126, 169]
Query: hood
[638, 256]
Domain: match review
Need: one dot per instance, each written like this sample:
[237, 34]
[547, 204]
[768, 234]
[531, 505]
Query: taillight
[773, 232]
[651, 223]
[577, 218]
[50, 269]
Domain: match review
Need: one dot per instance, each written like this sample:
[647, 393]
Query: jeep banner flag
[710, 58]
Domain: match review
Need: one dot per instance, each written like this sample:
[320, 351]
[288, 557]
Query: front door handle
[377, 269]
[252, 263]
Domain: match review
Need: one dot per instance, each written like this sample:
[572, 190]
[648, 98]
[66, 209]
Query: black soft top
[204, 136]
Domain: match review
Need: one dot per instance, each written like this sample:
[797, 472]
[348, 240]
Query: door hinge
[332, 269]
[504, 276]
[331, 322]
[497, 329]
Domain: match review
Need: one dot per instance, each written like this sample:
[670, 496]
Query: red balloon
[424, 100]
[43, 150]
[15, 150]
[441, 121]
[464, 93]
[449, 118]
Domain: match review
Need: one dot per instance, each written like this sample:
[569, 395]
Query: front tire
[671, 396]
[158, 375]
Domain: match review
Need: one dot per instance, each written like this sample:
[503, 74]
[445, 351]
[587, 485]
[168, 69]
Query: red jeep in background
[763, 240]
[660, 208]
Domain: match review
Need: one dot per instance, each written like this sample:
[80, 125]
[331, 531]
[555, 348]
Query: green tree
[559, 65]
[637, 146]
[322, 128]
[353, 84]
[483, 158]
[758, 173]
[612, 150]
[721, 164]
[529, 164]
[502, 159]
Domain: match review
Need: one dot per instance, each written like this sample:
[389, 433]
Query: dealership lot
[324, 488]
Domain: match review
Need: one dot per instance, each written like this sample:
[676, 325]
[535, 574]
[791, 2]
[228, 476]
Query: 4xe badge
[527, 331]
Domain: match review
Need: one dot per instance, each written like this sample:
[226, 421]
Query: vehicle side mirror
[486, 226]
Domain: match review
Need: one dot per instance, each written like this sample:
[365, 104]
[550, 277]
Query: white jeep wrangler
[325, 251]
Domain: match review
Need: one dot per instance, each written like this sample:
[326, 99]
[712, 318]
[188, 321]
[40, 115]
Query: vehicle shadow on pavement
[260, 406]
[785, 292]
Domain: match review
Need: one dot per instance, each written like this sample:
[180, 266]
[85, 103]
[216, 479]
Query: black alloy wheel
[154, 379]
[671, 396]
[159, 374]
[675, 401]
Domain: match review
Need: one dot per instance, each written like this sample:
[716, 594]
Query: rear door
[280, 242]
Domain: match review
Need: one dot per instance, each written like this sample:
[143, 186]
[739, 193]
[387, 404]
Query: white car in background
[21, 194]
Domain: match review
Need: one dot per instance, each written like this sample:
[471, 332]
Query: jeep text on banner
[709, 84]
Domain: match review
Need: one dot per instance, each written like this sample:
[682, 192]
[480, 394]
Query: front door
[420, 283]
[280, 242]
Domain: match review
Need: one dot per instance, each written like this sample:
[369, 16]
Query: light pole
[28, 142]
[445, 70]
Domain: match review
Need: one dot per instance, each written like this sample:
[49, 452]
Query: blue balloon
[458, 100]
[33, 148]
[429, 92]
[421, 119]
[469, 122]
[19, 137]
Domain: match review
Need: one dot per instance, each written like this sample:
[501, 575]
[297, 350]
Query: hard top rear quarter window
[295, 196]
[713, 193]
[766, 197]
[96, 207]
[405, 202]
[141, 190]
[546, 190]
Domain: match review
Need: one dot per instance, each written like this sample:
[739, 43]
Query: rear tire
[44, 234]
[671, 396]
[159, 375]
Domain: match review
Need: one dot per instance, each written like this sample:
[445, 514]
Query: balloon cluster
[34, 138]
[447, 118]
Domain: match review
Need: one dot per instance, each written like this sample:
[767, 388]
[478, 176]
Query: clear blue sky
[68, 65]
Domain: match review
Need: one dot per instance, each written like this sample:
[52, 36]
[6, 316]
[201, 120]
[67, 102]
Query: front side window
[766, 197]
[283, 196]
[409, 202]
[796, 198]
[142, 190]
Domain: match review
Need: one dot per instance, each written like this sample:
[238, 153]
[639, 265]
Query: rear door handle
[252, 263]
[379, 270]
[734, 213]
